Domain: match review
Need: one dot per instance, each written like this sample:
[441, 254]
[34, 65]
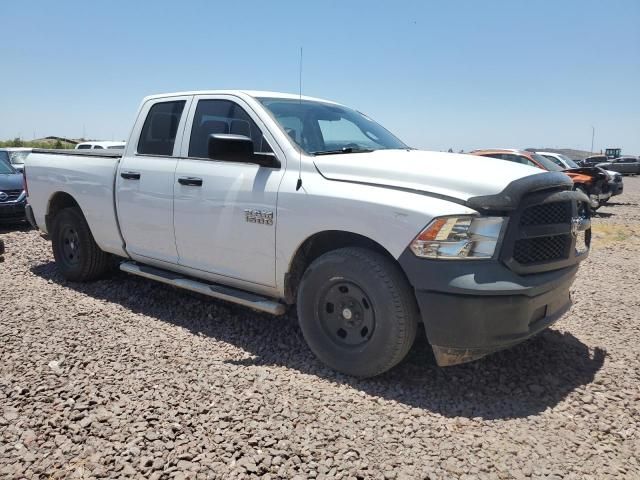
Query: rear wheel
[77, 255]
[357, 311]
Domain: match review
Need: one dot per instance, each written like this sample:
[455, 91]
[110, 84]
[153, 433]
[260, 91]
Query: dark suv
[12, 195]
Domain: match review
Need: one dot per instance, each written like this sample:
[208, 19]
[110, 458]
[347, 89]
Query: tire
[357, 311]
[78, 257]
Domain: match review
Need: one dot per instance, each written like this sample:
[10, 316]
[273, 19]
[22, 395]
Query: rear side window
[97, 146]
[222, 116]
[84, 147]
[158, 133]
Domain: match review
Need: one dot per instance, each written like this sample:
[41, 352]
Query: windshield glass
[18, 156]
[5, 167]
[318, 127]
[546, 163]
[568, 161]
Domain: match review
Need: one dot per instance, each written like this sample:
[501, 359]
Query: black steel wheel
[357, 311]
[70, 246]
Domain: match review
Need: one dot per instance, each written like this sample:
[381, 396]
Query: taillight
[25, 187]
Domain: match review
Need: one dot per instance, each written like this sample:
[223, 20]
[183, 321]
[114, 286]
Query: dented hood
[451, 175]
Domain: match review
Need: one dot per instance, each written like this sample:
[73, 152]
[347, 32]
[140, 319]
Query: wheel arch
[318, 244]
[57, 202]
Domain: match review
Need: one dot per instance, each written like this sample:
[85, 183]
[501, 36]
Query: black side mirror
[238, 148]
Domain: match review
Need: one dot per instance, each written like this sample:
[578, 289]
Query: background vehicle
[625, 165]
[100, 145]
[592, 182]
[615, 179]
[269, 200]
[12, 194]
[15, 156]
[612, 153]
[594, 160]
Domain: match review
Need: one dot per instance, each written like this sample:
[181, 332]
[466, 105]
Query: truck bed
[88, 176]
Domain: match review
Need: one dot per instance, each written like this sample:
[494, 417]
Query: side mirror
[238, 148]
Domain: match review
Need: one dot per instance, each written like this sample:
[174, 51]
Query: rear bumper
[473, 308]
[12, 212]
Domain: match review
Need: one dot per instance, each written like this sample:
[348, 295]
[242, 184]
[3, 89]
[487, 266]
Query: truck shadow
[522, 381]
[9, 227]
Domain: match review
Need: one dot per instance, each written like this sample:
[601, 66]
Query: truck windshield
[570, 163]
[546, 163]
[5, 167]
[325, 128]
[17, 158]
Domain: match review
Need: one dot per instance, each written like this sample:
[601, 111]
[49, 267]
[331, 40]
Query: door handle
[190, 181]
[130, 175]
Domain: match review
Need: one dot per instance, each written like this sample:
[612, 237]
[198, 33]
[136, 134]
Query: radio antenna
[299, 183]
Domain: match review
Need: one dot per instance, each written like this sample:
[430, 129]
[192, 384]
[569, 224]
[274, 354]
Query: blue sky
[439, 74]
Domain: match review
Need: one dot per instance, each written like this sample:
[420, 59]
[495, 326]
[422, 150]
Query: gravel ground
[128, 378]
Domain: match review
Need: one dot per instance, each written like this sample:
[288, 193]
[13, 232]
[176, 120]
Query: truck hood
[452, 175]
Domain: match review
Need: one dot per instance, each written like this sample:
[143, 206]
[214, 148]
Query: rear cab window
[158, 134]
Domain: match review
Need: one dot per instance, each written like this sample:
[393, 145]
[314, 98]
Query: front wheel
[77, 255]
[357, 311]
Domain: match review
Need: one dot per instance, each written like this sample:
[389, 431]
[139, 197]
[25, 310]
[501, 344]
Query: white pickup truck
[271, 200]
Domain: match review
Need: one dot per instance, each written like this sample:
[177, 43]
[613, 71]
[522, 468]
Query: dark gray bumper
[473, 308]
[11, 212]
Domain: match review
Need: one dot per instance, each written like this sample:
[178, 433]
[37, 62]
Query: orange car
[593, 182]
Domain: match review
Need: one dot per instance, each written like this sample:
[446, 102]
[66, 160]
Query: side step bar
[229, 294]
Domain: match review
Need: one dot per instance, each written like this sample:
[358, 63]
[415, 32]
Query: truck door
[144, 180]
[225, 212]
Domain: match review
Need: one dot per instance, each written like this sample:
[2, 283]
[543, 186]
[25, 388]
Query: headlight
[459, 238]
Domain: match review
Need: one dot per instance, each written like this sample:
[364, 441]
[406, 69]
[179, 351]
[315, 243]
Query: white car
[16, 156]
[615, 178]
[271, 200]
[100, 145]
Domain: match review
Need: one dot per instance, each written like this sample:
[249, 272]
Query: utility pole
[593, 134]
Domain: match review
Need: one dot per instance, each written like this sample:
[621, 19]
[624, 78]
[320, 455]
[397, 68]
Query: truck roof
[249, 93]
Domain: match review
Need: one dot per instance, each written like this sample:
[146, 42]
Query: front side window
[158, 133]
[320, 128]
[84, 146]
[97, 146]
[222, 116]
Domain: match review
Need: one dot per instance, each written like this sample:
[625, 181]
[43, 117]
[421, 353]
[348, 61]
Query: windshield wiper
[343, 150]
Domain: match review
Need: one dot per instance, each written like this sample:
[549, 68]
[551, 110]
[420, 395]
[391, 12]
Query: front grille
[541, 249]
[547, 214]
[549, 231]
[11, 195]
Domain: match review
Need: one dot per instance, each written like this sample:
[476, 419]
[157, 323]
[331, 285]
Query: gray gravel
[128, 378]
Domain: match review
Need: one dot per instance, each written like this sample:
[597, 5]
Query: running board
[229, 294]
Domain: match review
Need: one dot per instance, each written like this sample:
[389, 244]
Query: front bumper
[473, 308]
[12, 212]
[616, 188]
